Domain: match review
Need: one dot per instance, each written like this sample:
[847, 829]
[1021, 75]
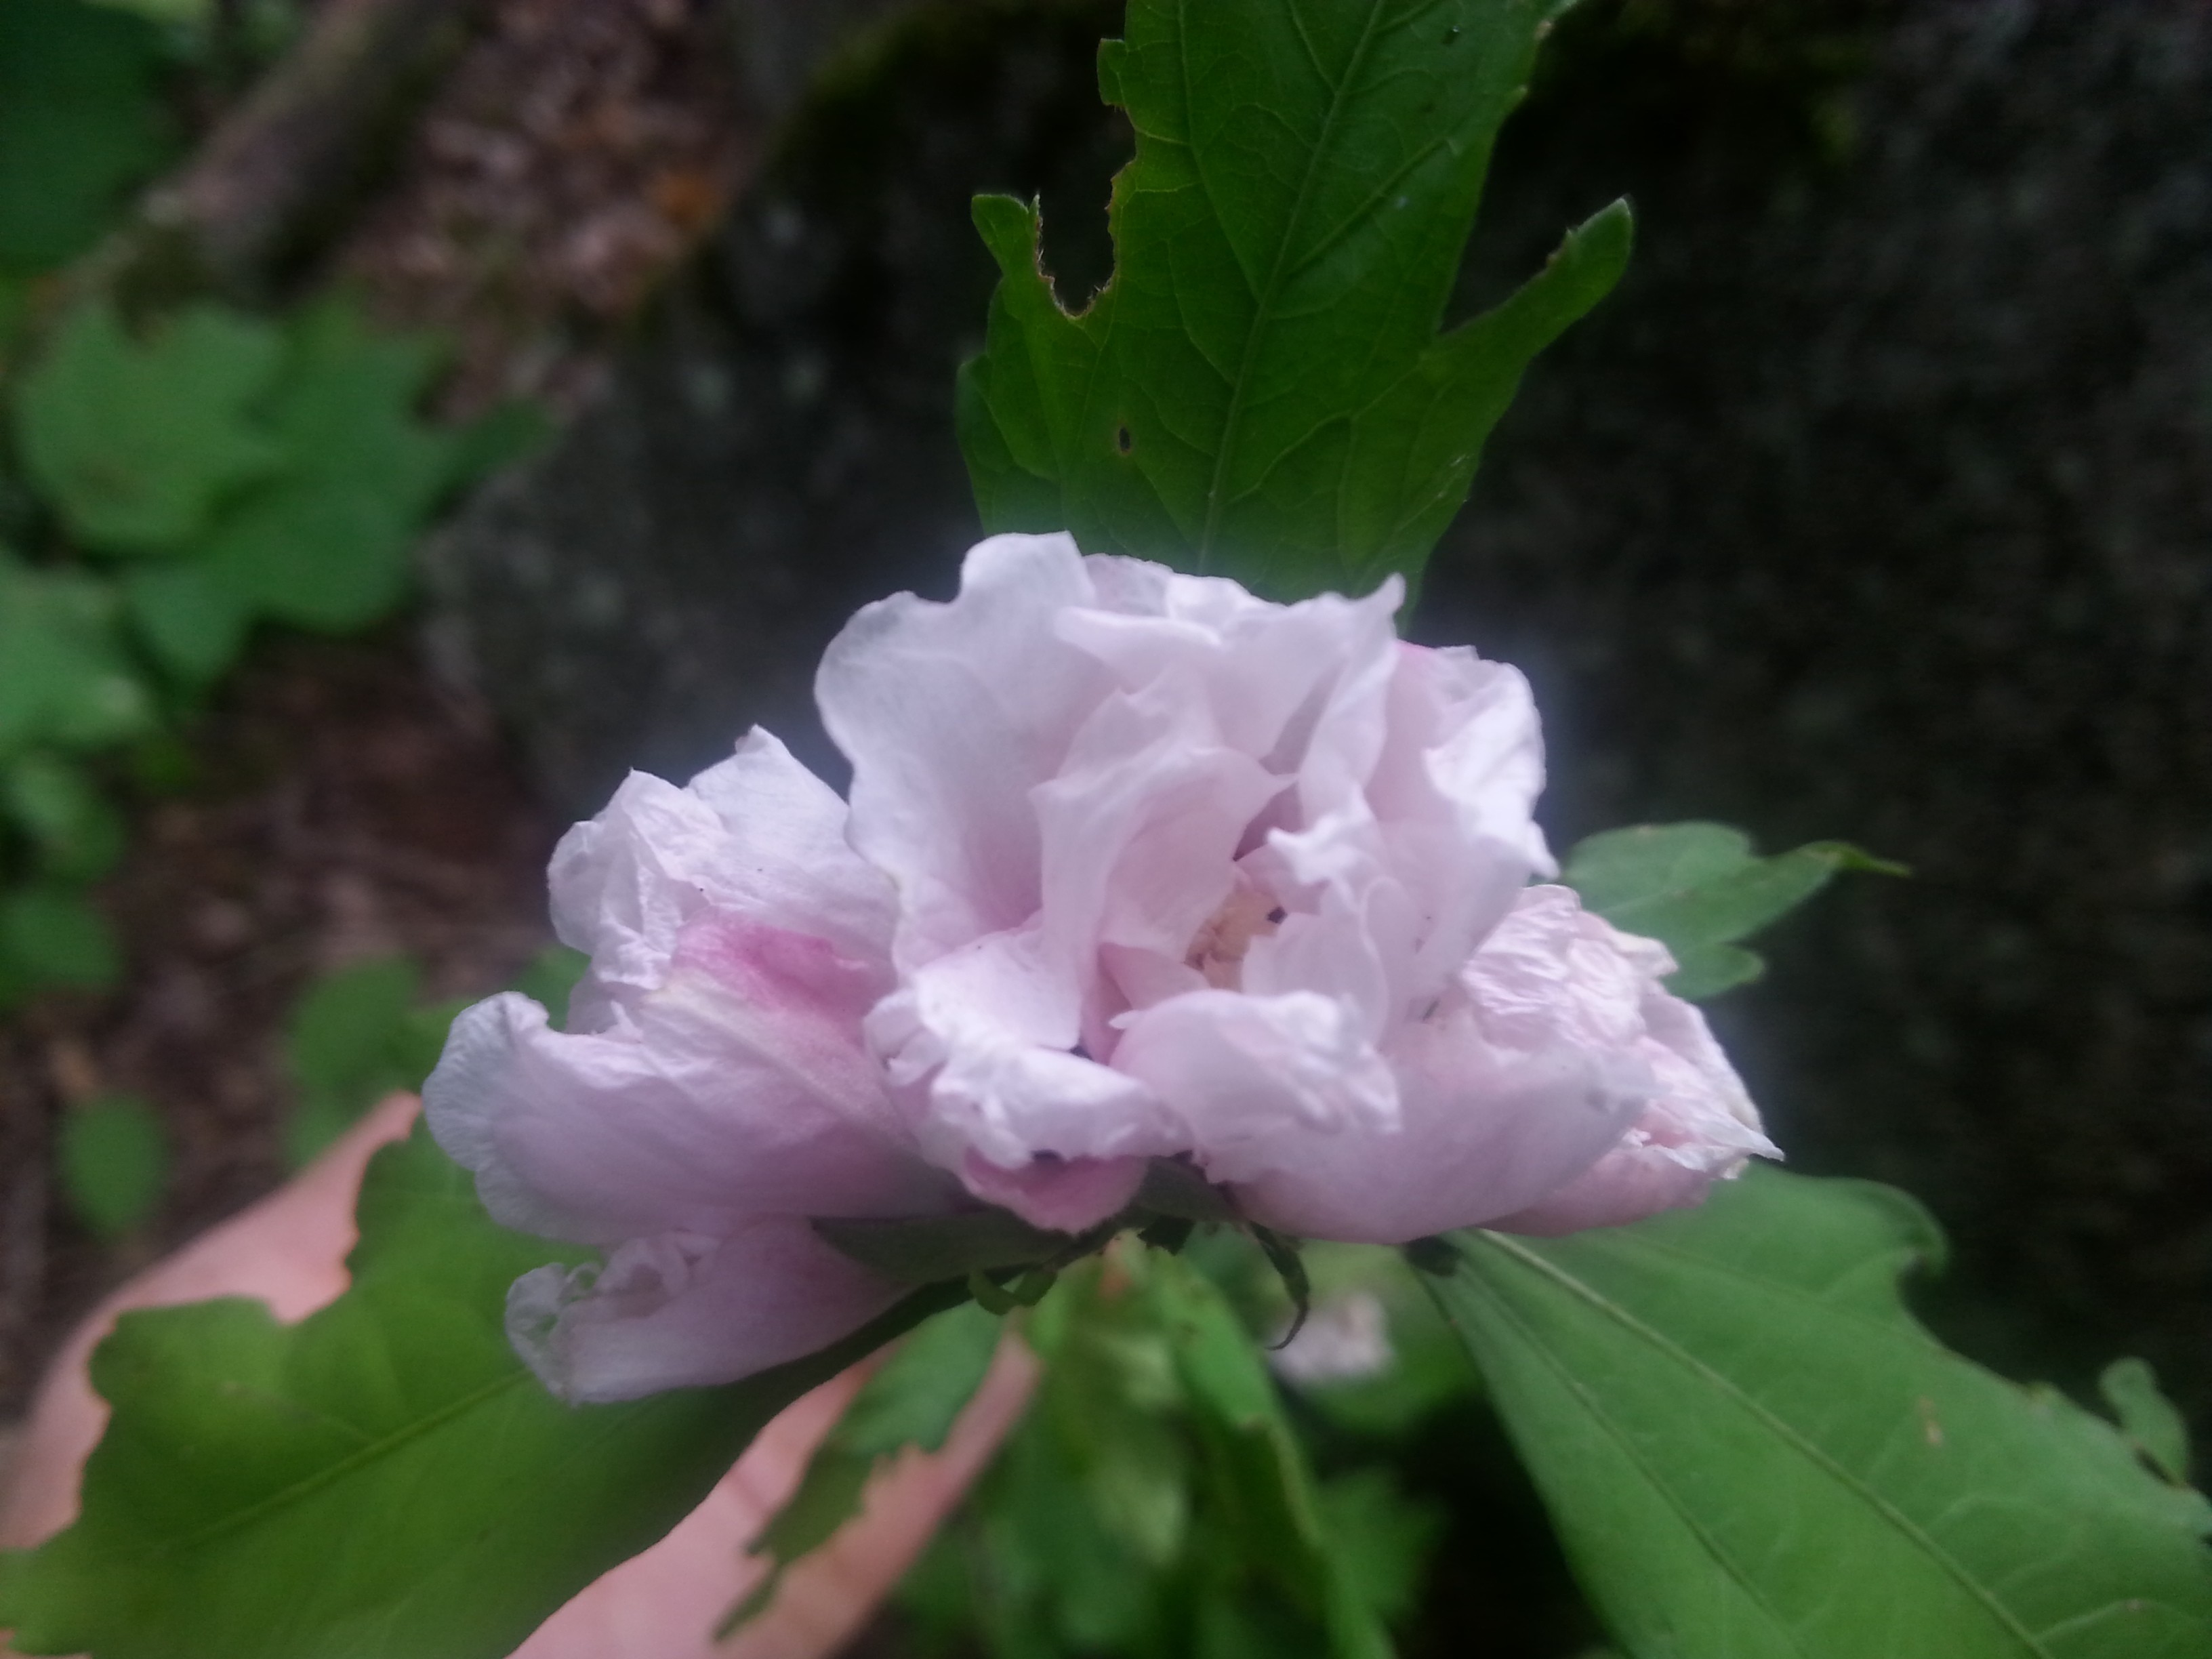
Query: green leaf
[137, 441]
[64, 678]
[51, 935]
[1261, 390]
[1698, 888]
[78, 833]
[1380, 1539]
[1751, 1448]
[344, 1047]
[382, 1480]
[2148, 1417]
[324, 543]
[193, 625]
[548, 978]
[1257, 1472]
[114, 1160]
[80, 122]
[913, 1399]
[916, 1394]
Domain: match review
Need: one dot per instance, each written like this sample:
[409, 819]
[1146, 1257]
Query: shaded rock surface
[1875, 504]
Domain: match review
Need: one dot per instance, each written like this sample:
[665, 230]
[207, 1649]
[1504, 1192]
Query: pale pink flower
[1137, 865]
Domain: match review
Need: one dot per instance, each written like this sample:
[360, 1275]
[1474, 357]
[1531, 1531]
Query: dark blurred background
[1875, 504]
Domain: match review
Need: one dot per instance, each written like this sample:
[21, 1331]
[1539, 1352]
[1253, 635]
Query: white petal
[950, 714]
[686, 1310]
[1256, 1081]
[1527, 1073]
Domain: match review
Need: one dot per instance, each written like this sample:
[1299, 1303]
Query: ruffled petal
[1253, 1081]
[1554, 1049]
[756, 836]
[1700, 1128]
[681, 1310]
[740, 1087]
[950, 714]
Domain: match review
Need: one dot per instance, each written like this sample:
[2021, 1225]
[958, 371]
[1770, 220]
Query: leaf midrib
[1267, 299]
[1786, 1432]
[298, 1490]
[1629, 1449]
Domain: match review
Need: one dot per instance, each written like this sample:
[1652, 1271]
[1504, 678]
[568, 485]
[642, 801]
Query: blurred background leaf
[80, 123]
[114, 1162]
[137, 441]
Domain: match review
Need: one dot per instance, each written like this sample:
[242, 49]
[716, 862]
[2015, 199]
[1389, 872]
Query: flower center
[1217, 949]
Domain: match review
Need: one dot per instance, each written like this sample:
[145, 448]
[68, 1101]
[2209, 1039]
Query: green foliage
[1155, 1502]
[65, 677]
[2148, 1417]
[80, 122]
[51, 935]
[77, 835]
[1261, 390]
[323, 544]
[363, 1031]
[114, 1162]
[1698, 888]
[913, 1399]
[1751, 1448]
[136, 442]
[246, 471]
[382, 1480]
[549, 978]
[1417, 1365]
[354, 1036]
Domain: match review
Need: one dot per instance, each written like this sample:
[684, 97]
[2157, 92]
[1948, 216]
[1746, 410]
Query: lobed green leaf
[1751, 1448]
[136, 442]
[1698, 889]
[382, 1480]
[1261, 390]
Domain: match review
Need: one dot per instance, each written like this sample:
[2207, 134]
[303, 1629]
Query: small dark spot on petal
[1277, 916]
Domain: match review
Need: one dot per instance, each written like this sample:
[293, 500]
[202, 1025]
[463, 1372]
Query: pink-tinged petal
[980, 1046]
[1530, 1069]
[1255, 1080]
[1140, 832]
[1453, 793]
[1700, 1128]
[1299, 688]
[680, 1311]
[738, 1087]
[757, 835]
[950, 714]
[1480, 1131]
[1064, 1195]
